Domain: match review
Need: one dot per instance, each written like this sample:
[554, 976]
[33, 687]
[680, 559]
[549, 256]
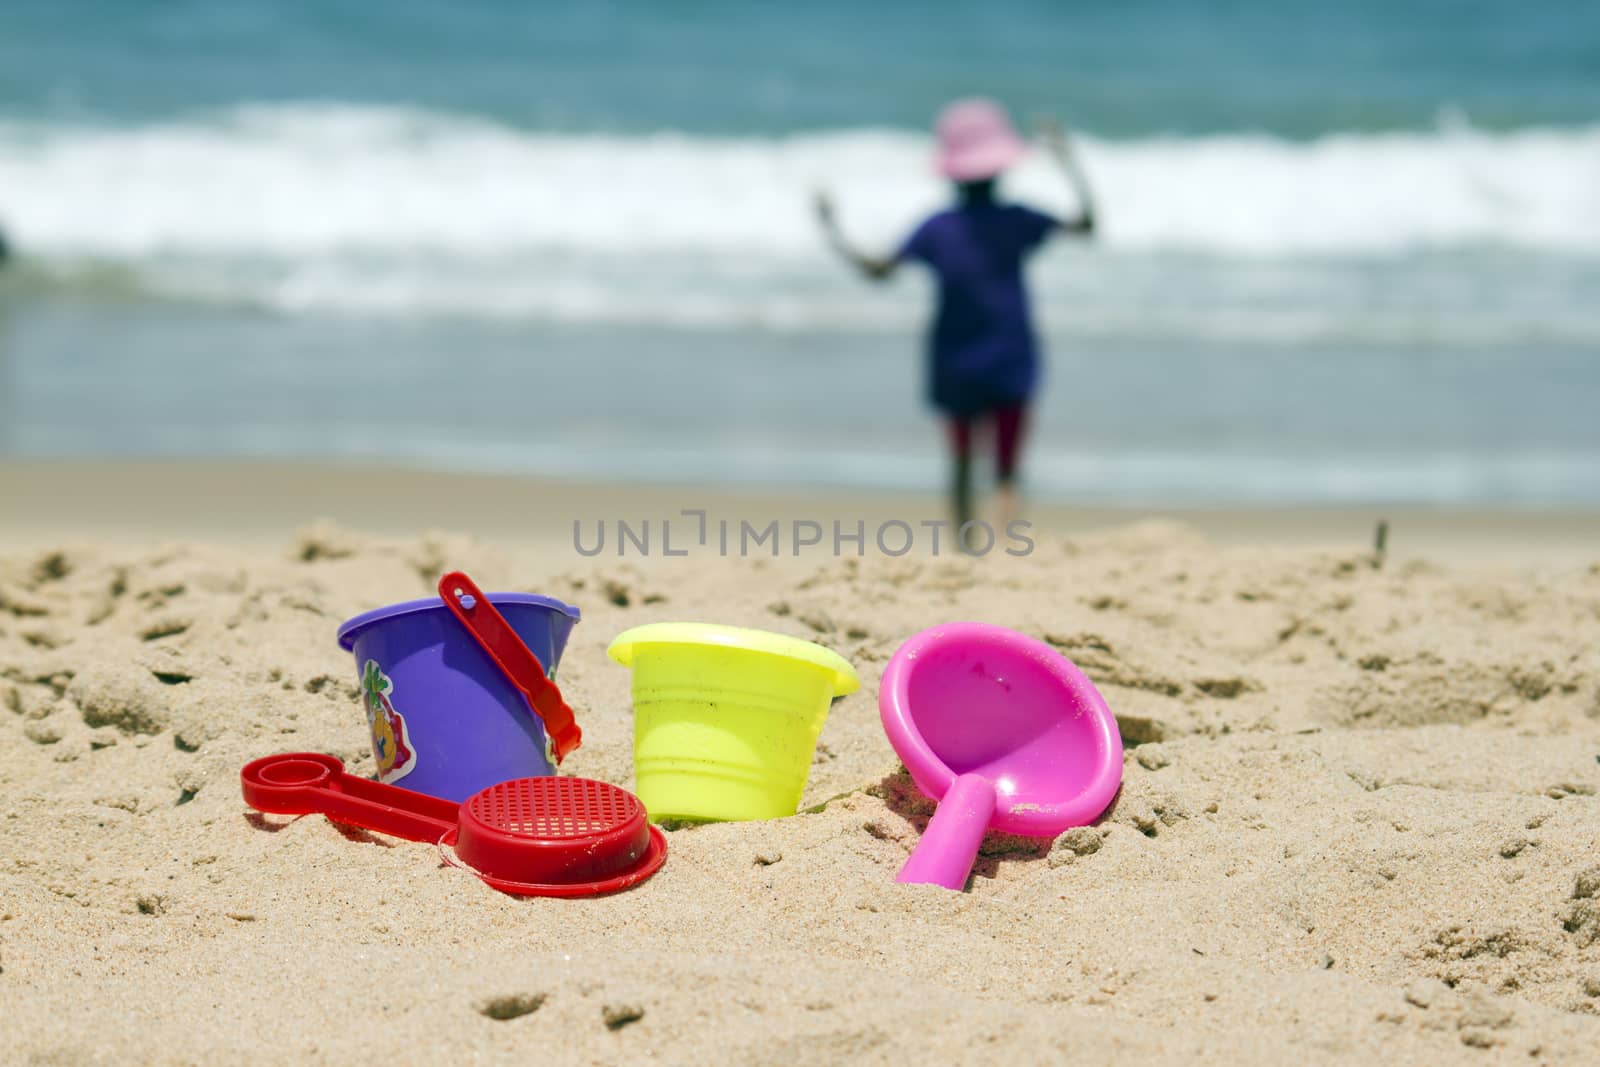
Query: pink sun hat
[976, 140]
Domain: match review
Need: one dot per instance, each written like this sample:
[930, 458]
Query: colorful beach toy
[548, 837]
[453, 705]
[1004, 732]
[726, 719]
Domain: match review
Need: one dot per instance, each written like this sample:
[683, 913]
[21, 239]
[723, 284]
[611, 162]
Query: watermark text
[694, 531]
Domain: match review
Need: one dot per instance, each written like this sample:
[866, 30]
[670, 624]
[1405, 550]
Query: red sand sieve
[550, 837]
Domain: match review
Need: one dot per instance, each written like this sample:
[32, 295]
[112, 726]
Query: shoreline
[267, 504]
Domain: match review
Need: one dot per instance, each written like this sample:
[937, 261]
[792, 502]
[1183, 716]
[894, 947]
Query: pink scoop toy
[1004, 733]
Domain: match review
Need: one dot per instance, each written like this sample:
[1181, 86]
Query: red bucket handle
[515, 660]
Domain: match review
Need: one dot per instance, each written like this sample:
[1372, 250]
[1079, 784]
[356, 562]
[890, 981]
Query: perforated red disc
[558, 837]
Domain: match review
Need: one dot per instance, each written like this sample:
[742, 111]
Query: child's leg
[961, 469]
[1010, 423]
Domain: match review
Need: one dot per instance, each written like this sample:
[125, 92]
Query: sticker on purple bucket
[444, 719]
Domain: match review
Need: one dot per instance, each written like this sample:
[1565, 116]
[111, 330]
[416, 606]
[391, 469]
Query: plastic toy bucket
[445, 721]
[725, 720]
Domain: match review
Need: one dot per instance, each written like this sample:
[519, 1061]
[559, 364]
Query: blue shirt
[981, 350]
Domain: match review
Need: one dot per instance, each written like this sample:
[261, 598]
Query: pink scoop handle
[949, 846]
[310, 783]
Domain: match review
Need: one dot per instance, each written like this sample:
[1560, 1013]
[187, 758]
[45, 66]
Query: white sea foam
[383, 210]
[298, 180]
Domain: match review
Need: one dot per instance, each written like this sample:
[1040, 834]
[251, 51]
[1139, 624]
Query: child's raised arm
[875, 267]
[1055, 138]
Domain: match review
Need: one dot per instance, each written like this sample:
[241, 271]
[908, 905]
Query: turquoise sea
[1351, 252]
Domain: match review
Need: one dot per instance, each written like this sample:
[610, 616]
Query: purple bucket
[444, 719]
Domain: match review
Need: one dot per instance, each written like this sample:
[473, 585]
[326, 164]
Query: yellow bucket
[725, 720]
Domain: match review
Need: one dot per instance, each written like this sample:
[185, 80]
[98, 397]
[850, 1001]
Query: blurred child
[983, 362]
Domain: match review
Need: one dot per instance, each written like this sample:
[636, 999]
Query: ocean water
[1350, 253]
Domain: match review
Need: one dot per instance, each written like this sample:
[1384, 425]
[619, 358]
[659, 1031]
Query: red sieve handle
[310, 783]
[520, 666]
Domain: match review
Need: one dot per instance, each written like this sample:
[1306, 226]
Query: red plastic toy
[547, 837]
[520, 666]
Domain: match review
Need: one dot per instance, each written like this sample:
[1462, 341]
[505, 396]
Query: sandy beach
[1278, 325]
[1359, 814]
